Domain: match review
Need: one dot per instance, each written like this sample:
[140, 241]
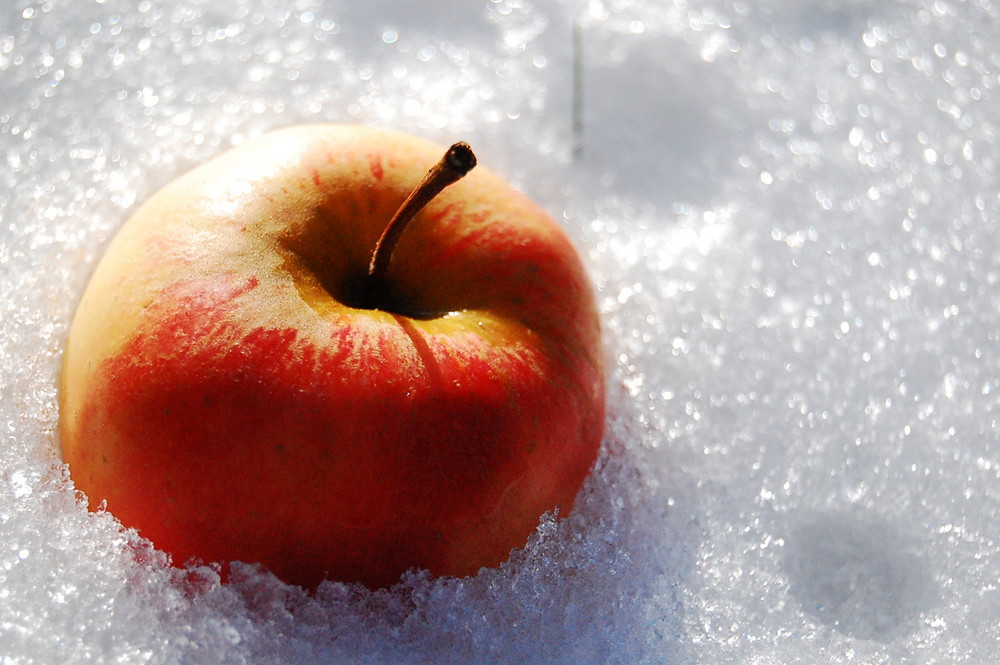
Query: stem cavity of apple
[457, 161]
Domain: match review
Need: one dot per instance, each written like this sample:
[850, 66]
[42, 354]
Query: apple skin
[222, 395]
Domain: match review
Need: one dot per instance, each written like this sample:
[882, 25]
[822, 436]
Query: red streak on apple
[376, 166]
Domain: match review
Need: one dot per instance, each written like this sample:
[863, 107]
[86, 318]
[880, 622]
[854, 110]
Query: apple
[243, 382]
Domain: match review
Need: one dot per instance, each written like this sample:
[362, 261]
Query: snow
[790, 214]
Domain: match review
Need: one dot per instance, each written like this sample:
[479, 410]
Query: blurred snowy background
[790, 211]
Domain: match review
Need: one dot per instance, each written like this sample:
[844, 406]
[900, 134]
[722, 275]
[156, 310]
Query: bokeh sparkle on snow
[790, 213]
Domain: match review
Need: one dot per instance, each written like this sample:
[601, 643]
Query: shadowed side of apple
[248, 378]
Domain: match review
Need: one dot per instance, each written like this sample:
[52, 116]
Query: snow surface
[790, 212]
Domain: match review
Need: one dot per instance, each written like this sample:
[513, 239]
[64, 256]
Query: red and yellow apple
[229, 391]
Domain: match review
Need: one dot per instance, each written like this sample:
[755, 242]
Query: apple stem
[457, 161]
